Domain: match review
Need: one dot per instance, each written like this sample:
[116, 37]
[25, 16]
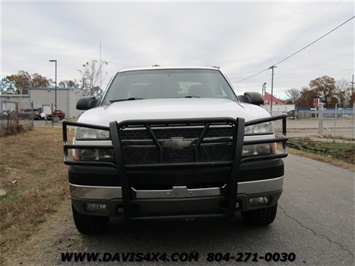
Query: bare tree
[92, 75]
[293, 94]
[69, 84]
[343, 92]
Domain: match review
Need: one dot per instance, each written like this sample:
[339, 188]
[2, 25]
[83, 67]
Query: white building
[66, 99]
[11, 102]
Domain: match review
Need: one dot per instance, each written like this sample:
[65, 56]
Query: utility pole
[54, 116]
[353, 103]
[272, 87]
[100, 65]
[55, 76]
[352, 91]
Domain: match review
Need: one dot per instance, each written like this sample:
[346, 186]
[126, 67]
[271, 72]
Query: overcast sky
[243, 38]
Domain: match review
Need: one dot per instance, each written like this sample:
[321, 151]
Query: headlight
[259, 149]
[262, 128]
[89, 135]
[84, 133]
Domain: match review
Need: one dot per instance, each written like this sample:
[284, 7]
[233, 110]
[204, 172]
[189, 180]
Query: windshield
[172, 83]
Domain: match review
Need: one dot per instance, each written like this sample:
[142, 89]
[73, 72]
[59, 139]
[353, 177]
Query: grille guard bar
[238, 124]
[283, 139]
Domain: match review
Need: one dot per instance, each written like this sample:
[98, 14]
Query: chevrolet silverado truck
[173, 143]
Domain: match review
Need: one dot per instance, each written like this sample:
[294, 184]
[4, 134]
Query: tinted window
[172, 83]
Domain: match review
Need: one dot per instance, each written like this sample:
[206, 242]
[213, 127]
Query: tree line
[329, 91]
[332, 93]
[92, 74]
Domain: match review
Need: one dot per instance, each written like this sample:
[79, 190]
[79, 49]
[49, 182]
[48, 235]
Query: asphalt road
[315, 222]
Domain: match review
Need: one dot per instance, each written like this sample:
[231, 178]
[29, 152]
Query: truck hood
[178, 108]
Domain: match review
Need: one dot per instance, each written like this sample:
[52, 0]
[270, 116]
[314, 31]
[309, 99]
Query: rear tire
[260, 217]
[89, 224]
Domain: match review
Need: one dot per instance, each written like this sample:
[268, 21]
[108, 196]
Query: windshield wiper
[192, 96]
[127, 99]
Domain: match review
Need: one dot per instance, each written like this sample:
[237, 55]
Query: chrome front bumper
[109, 193]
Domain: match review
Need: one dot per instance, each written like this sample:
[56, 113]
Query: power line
[306, 30]
[288, 57]
[252, 75]
[329, 32]
[278, 27]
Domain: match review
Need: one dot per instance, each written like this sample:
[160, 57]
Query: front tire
[260, 217]
[89, 224]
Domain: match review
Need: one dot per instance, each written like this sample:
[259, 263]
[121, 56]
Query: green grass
[14, 194]
[344, 151]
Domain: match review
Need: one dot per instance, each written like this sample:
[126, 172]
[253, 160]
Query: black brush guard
[209, 135]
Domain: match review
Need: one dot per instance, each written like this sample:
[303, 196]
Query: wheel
[89, 224]
[260, 217]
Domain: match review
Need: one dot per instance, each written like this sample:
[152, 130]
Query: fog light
[263, 149]
[105, 154]
[248, 150]
[259, 201]
[258, 149]
[120, 210]
[96, 207]
[88, 154]
[93, 154]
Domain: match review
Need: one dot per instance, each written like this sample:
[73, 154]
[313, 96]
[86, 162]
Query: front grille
[155, 143]
[149, 144]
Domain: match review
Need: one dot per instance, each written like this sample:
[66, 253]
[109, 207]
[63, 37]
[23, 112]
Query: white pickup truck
[173, 143]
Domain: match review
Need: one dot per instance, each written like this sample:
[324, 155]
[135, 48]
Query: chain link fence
[16, 115]
[330, 122]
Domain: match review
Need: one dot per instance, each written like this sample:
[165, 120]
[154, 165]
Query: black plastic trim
[146, 209]
[93, 176]
[178, 176]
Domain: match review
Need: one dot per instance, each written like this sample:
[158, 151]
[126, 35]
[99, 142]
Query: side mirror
[252, 97]
[87, 103]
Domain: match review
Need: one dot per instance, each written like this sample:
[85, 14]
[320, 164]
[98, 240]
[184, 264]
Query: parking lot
[338, 128]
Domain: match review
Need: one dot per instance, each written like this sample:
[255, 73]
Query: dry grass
[328, 160]
[339, 153]
[35, 179]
